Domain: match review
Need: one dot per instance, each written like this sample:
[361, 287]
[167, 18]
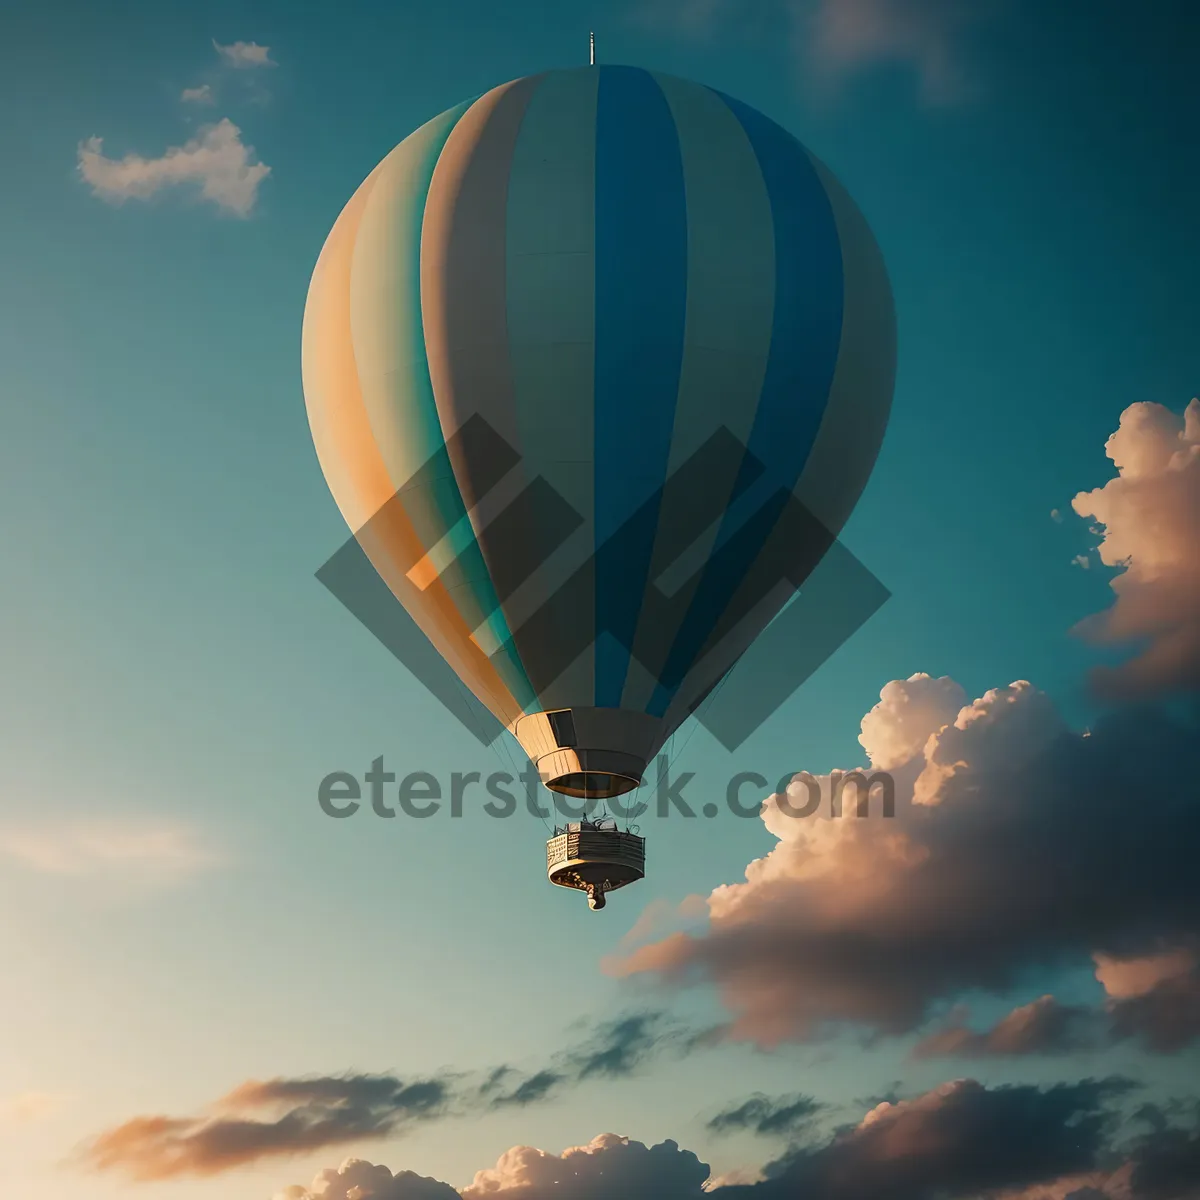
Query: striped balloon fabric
[567, 352]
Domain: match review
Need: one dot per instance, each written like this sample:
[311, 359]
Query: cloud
[1017, 844]
[923, 33]
[198, 95]
[959, 1141]
[607, 1166]
[216, 162]
[767, 1116]
[28, 1107]
[890, 1094]
[662, 912]
[909, 711]
[739, 1175]
[279, 1117]
[260, 1120]
[1042, 1027]
[1149, 516]
[1165, 1165]
[531, 1090]
[621, 1046]
[615, 1049]
[88, 848]
[1125, 979]
[838, 37]
[1164, 1020]
[356, 1179]
[1154, 999]
[244, 55]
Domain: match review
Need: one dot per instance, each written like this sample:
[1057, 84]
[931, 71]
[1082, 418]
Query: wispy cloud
[961, 1138]
[85, 848]
[280, 1117]
[236, 56]
[834, 38]
[217, 163]
[662, 913]
[244, 55]
[1043, 1026]
[28, 1107]
[615, 1049]
[260, 1120]
[501, 1090]
[768, 1116]
[847, 34]
[1153, 1000]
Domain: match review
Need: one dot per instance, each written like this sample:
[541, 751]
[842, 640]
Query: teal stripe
[727, 332]
[389, 346]
[550, 264]
[464, 267]
[860, 396]
[852, 425]
[385, 304]
[641, 293]
[804, 349]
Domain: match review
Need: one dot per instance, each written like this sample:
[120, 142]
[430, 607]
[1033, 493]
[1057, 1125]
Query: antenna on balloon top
[592, 47]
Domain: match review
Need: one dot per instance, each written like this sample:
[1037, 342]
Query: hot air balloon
[535, 316]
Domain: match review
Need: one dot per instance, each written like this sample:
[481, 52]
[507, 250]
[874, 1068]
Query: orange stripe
[355, 470]
[463, 270]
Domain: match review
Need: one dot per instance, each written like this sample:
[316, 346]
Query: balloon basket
[596, 858]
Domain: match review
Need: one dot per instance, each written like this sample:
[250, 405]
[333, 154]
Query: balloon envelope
[564, 352]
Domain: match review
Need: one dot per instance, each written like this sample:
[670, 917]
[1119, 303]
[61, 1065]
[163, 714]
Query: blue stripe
[641, 291]
[805, 339]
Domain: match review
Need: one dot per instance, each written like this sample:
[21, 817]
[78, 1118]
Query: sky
[211, 989]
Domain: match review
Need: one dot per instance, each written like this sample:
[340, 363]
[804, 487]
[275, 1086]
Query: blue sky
[178, 915]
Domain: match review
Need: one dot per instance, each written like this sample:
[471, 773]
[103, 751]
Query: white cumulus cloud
[216, 162]
[357, 1179]
[1149, 519]
[1009, 828]
[244, 55]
